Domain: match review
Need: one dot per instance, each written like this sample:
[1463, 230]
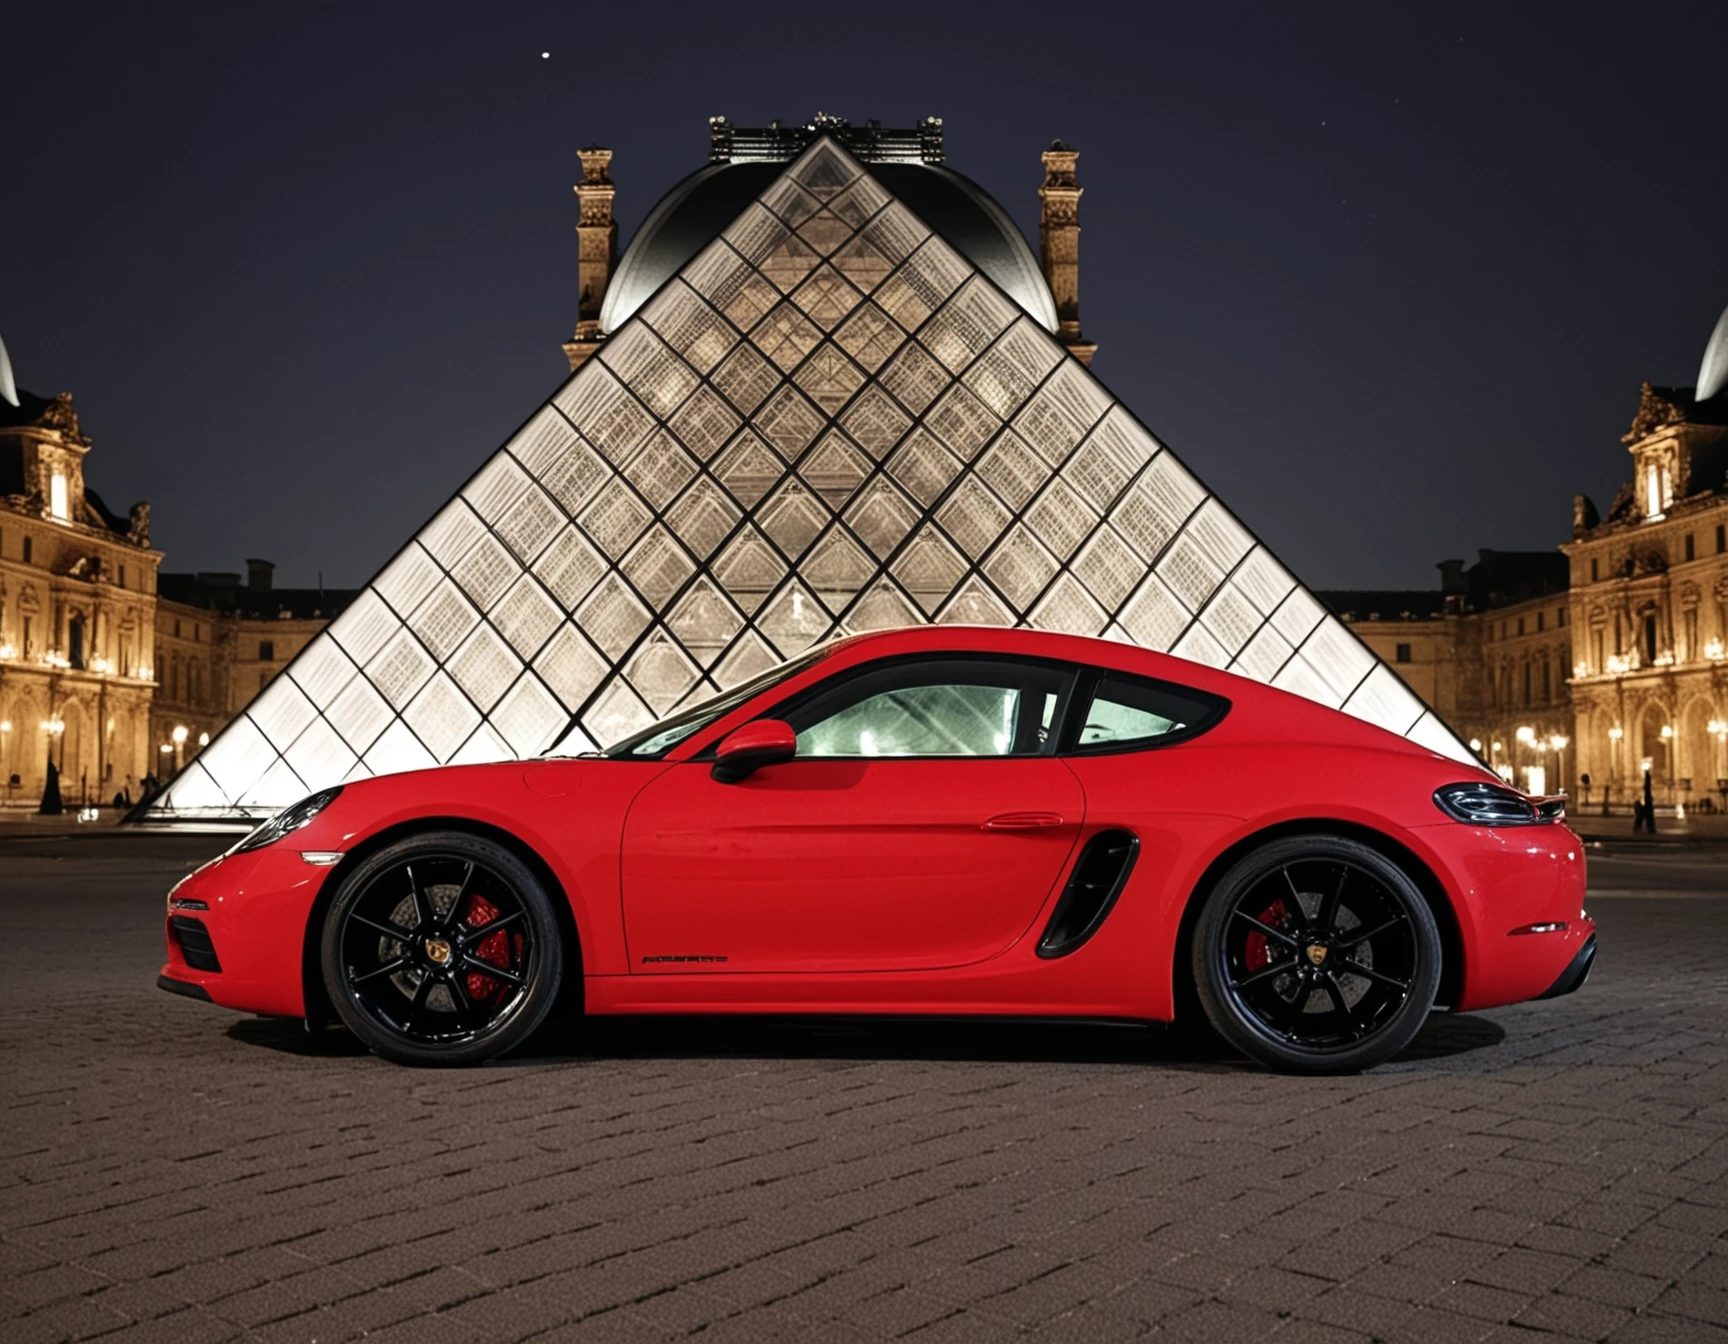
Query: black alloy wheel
[442, 949]
[1317, 954]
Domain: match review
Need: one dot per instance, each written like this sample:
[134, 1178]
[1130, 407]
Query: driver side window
[947, 707]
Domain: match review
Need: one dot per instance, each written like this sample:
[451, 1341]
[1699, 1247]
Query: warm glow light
[5, 725]
[1475, 744]
[1559, 741]
[1716, 727]
[203, 739]
[1667, 732]
[1580, 669]
[1712, 649]
[8, 651]
[1619, 664]
[1499, 746]
[179, 734]
[1615, 734]
[165, 749]
[1526, 735]
[53, 727]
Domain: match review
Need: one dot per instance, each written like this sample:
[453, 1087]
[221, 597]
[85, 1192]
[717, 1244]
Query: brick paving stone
[1547, 1172]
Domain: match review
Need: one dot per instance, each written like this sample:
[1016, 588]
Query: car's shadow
[975, 1040]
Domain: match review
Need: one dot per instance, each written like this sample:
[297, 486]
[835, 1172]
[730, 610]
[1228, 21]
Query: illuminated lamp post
[1614, 735]
[1558, 741]
[1718, 729]
[1668, 756]
[52, 729]
[1527, 736]
[179, 736]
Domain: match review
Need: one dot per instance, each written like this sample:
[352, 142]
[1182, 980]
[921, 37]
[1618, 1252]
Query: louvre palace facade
[827, 388]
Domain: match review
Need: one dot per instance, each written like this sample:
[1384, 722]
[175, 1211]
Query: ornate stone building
[77, 614]
[1649, 601]
[1489, 651]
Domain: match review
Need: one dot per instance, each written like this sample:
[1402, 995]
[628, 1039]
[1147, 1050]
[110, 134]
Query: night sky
[1386, 277]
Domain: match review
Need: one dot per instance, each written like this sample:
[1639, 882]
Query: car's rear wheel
[1317, 954]
[442, 949]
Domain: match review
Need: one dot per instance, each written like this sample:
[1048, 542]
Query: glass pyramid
[829, 422]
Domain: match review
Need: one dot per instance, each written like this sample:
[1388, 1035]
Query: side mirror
[742, 753]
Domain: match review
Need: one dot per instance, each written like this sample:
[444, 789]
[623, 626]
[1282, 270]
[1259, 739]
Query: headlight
[289, 819]
[1483, 804]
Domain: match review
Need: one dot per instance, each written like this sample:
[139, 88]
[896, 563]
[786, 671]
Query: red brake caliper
[1254, 952]
[494, 949]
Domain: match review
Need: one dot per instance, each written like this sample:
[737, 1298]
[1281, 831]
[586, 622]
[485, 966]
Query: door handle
[1023, 821]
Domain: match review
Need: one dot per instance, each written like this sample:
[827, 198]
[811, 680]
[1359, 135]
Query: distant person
[51, 804]
[1648, 807]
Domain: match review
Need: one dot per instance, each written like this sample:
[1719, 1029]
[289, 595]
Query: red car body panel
[880, 885]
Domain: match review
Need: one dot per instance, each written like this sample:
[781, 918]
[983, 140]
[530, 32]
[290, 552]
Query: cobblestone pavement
[172, 1172]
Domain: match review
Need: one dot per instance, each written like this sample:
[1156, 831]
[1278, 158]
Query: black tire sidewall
[545, 972]
[1228, 1019]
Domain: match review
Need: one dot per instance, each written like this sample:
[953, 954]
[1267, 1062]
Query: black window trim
[1087, 688]
[1073, 673]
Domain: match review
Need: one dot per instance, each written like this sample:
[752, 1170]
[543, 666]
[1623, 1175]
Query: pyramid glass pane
[830, 420]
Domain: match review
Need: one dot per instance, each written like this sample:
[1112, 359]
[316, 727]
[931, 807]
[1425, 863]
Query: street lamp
[179, 736]
[1558, 741]
[1718, 729]
[1614, 735]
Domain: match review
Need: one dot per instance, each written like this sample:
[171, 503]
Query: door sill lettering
[647, 960]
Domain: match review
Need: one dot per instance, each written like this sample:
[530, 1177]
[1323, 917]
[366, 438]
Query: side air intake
[1098, 878]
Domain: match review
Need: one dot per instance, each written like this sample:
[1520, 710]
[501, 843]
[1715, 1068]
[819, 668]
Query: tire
[442, 949]
[1316, 954]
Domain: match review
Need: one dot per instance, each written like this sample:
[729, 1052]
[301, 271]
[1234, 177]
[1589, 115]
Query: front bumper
[253, 909]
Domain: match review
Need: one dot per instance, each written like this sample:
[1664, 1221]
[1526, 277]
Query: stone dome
[1713, 371]
[699, 208]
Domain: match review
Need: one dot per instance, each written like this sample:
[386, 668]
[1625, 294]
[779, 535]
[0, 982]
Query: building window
[1540, 616]
[197, 633]
[1649, 639]
[1547, 693]
[1595, 570]
[176, 627]
[1402, 653]
[58, 503]
[1721, 538]
[122, 576]
[267, 650]
[29, 548]
[1560, 618]
[1520, 625]
[1687, 544]
[1526, 683]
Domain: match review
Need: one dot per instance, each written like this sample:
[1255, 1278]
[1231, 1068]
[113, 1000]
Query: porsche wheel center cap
[438, 950]
[1317, 953]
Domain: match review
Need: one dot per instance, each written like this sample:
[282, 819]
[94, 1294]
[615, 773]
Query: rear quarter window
[1129, 713]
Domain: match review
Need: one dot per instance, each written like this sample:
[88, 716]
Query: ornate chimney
[1059, 245]
[597, 250]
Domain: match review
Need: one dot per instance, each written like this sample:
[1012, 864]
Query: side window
[1129, 713]
[945, 707]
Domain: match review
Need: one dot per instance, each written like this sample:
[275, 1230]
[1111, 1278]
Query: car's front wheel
[1316, 954]
[442, 949]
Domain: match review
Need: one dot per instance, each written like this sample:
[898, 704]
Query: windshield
[659, 738]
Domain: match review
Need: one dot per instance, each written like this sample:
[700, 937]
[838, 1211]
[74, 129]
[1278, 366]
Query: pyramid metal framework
[828, 422]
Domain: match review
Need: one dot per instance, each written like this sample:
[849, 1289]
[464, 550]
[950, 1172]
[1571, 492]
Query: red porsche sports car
[939, 820]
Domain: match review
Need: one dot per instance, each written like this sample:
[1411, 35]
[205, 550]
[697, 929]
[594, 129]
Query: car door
[922, 824]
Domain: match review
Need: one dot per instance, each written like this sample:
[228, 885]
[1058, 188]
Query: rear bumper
[1576, 973]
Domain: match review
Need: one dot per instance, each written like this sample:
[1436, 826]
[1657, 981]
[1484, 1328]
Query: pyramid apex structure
[833, 413]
